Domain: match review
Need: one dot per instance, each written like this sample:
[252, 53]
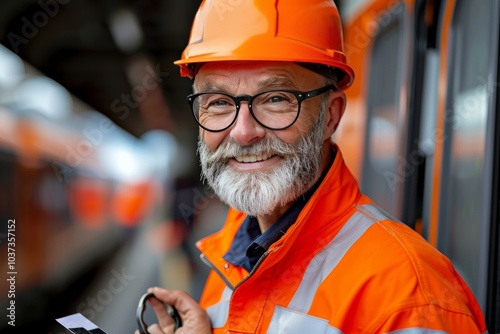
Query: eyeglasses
[273, 109]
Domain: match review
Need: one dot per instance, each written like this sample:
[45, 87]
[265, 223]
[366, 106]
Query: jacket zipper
[253, 269]
[213, 267]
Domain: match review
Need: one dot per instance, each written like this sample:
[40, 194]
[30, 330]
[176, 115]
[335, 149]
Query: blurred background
[99, 178]
[98, 167]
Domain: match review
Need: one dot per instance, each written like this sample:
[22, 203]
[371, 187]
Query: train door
[421, 129]
[386, 101]
[462, 201]
[378, 125]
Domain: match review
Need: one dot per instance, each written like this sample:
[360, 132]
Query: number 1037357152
[11, 244]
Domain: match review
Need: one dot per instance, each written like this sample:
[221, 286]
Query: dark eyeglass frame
[301, 96]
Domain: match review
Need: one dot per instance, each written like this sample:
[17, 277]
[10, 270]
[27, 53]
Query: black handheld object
[143, 327]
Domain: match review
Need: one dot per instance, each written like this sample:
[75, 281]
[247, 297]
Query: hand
[194, 318]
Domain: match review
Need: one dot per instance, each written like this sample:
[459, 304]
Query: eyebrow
[208, 87]
[275, 82]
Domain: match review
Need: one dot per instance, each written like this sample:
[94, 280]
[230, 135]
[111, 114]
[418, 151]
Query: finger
[177, 298]
[156, 329]
[194, 318]
[161, 312]
[186, 306]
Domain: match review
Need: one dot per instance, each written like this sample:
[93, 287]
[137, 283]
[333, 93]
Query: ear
[335, 110]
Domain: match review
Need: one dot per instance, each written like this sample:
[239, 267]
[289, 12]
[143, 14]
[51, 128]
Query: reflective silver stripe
[286, 321]
[218, 312]
[417, 331]
[375, 212]
[291, 320]
[326, 260]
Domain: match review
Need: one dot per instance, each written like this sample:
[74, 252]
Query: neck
[265, 221]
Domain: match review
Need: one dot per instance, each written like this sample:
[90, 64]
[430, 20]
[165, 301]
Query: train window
[380, 179]
[466, 175]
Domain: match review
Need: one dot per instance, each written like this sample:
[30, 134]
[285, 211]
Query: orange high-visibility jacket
[345, 266]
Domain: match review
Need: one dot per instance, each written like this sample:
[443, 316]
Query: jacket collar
[319, 220]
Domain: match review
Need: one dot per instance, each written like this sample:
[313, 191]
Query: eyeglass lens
[275, 109]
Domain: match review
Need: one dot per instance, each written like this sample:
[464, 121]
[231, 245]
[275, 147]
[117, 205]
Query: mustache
[230, 148]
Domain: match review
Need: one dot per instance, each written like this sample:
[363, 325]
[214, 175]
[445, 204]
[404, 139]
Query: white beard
[259, 193]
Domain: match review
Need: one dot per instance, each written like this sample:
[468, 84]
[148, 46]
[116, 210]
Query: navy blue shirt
[250, 244]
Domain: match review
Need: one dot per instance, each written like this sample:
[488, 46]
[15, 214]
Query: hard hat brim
[260, 49]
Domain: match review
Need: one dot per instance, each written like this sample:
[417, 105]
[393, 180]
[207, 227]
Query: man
[302, 250]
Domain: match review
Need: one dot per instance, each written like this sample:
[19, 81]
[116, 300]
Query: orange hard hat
[306, 32]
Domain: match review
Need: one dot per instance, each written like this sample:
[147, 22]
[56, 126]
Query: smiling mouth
[253, 158]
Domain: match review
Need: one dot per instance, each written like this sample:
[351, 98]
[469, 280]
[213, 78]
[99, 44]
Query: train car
[74, 186]
[421, 131]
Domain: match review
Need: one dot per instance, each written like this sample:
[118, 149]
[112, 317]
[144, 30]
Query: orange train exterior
[343, 267]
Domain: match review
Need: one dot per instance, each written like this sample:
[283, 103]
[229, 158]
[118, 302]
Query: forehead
[230, 75]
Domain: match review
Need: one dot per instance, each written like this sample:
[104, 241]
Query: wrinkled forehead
[229, 75]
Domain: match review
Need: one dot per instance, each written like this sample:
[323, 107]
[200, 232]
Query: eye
[219, 103]
[277, 97]
[216, 102]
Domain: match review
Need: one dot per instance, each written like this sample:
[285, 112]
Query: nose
[246, 130]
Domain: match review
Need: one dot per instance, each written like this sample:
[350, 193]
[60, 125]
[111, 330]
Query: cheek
[290, 135]
[213, 139]
[300, 128]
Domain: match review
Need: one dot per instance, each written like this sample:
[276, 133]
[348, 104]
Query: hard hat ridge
[298, 31]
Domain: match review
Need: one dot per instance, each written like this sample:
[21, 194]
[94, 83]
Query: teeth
[253, 158]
